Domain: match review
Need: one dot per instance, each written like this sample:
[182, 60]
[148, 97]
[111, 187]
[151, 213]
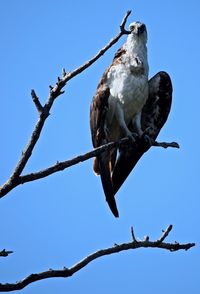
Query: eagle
[127, 104]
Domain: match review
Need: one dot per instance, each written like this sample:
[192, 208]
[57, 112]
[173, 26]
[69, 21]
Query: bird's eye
[132, 28]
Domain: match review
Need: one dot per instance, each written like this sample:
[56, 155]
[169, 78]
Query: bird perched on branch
[127, 104]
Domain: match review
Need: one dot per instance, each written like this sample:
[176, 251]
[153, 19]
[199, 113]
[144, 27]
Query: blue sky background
[57, 221]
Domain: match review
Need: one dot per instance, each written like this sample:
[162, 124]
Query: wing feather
[103, 163]
[154, 115]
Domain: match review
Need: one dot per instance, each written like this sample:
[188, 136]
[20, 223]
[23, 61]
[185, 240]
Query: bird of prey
[127, 104]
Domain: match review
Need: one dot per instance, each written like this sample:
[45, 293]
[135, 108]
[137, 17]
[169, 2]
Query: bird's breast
[128, 89]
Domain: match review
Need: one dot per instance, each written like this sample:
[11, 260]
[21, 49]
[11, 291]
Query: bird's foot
[149, 131]
[147, 139]
[147, 136]
[132, 136]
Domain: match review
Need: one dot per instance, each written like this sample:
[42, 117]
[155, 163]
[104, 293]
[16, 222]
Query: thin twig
[36, 101]
[5, 253]
[166, 145]
[101, 52]
[133, 235]
[68, 272]
[55, 91]
[165, 234]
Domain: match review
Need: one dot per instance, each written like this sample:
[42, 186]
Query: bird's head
[138, 30]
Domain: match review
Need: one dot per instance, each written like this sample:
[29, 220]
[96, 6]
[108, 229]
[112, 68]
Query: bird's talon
[148, 131]
[148, 139]
[133, 137]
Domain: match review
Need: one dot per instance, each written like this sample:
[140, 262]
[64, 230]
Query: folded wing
[154, 115]
[104, 162]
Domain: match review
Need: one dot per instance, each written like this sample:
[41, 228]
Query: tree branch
[44, 112]
[165, 234]
[60, 166]
[36, 101]
[5, 253]
[101, 52]
[68, 272]
[166, 145]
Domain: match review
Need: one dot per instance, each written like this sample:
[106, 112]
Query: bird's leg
[147, 137]
[136, 122]
[142, 134]
[119, 114]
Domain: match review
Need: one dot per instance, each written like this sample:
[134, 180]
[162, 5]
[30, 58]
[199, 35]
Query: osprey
[127, 104]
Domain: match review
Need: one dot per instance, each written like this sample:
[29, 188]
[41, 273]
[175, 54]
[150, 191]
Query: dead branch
[165, 234]
[44, 111]
[60, 166]
[166, 145]
[68, 272]
[36, 101]
[5, 253]
[16, 178]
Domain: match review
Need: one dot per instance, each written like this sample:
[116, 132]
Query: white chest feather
[128, 80]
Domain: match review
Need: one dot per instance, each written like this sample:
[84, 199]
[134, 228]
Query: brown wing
[102, 163]
[118, 55]
[154, 116]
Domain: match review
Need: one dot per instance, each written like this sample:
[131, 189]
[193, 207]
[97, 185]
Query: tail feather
[105, 173]
[126, 161]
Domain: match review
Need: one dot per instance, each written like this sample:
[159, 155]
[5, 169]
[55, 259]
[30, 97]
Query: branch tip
[123, 23]
[63, 72]
[165, 234]
[166, 145]
[5, 253]
[36, 101]
[133, 235]
[146, 238]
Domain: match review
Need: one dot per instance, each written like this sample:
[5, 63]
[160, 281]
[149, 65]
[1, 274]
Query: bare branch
[114, 40]
[60, 166]
[5, 253]
[55, 91]
[68, 272]
[36, 101]
[166, 145]
[63, 72]
[133, 235]
[123, 23]
[165, 234]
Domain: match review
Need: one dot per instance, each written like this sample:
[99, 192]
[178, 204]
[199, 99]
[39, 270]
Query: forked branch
[44, 111]
[68, 272]
[17, 178]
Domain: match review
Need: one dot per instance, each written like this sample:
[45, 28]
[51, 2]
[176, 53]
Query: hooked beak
[140, 30]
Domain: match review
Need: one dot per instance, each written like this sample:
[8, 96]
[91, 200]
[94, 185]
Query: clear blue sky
[57, 221]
